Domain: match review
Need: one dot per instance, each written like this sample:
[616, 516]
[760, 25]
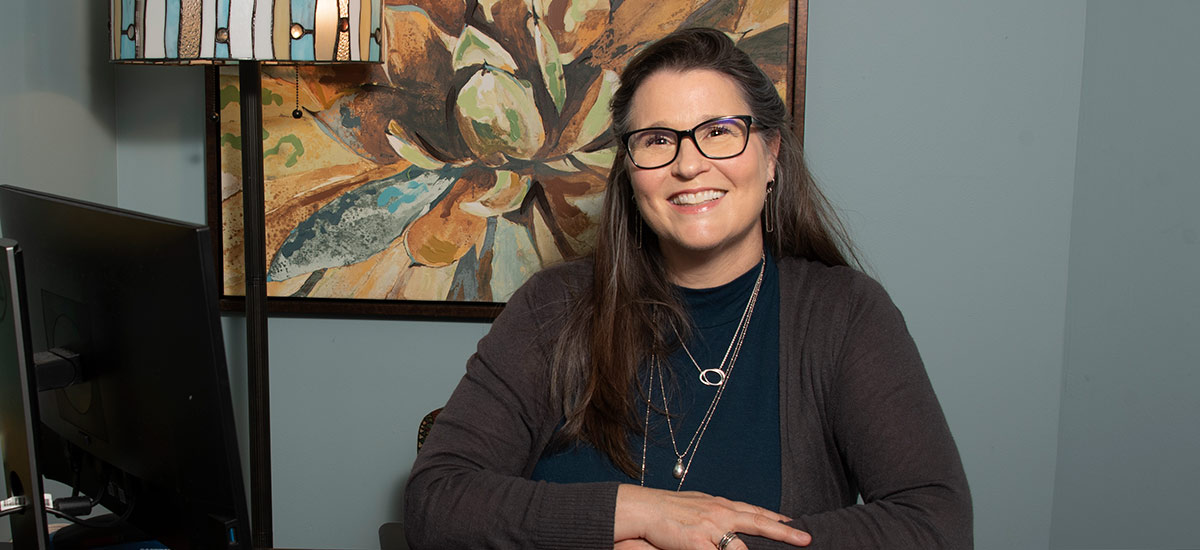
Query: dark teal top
[738, 456]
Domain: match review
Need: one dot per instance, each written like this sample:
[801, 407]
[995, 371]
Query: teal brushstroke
[348, 118]
[393, 198]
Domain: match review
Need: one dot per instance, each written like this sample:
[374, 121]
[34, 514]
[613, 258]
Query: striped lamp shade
[225, 31]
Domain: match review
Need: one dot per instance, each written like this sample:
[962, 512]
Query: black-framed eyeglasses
[719, 138]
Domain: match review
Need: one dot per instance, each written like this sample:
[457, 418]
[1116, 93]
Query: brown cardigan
[857, 416]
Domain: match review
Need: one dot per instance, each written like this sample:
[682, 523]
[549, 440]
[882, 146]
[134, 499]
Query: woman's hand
[667, 520]
[633, 544]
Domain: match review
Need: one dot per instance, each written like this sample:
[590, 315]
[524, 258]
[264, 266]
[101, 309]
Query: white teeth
[684, 199]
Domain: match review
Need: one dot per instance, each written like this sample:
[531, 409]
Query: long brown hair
[628, 314]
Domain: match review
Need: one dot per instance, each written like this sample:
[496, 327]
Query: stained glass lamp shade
[227, 31]
[249, 33]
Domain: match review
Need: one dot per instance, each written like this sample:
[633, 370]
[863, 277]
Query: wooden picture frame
[394, 124]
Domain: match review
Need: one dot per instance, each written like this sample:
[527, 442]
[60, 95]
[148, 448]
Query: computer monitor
[146, 426]
[18, 407]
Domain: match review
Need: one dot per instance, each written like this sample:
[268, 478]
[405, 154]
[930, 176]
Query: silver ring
[729, 537]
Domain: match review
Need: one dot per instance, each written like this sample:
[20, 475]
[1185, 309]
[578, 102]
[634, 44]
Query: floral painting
[474, 156]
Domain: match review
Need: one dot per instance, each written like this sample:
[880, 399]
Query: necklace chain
[680, 469]
[738, 334]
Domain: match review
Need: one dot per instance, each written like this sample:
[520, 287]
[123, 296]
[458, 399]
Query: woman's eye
[721, 129]
[652, 140]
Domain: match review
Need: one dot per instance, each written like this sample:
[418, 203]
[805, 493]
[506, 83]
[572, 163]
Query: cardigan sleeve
[892, 443]
[468, 486]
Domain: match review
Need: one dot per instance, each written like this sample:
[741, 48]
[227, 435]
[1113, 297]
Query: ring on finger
[729, 537]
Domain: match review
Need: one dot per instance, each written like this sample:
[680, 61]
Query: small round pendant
[677, 471]
[718, 373]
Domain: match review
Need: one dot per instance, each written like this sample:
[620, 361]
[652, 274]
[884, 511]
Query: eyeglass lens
[716, 139]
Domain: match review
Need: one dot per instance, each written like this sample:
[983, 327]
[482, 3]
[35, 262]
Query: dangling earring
[637, 233]
[768, 207]
[637, 220]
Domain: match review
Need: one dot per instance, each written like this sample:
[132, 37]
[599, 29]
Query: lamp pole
[254, 250]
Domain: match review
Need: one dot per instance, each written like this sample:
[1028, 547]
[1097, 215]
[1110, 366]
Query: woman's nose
[689, 162]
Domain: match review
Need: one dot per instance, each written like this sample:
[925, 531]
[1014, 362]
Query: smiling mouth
[690, 199]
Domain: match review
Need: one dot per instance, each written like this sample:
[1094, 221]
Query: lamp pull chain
[297, 113]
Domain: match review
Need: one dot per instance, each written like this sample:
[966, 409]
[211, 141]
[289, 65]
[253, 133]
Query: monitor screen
[145, 424]
[18, 407]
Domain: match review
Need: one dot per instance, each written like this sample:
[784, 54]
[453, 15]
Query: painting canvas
[474, 156]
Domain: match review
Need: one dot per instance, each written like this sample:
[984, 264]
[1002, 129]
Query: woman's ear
[773, 141]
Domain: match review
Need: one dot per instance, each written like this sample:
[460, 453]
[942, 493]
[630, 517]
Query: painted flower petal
[421, 282]
[593, 118]
[488, 8]
[766, 50]
[475, 48]
[632, 25]
[575, 24]
[506, 22]
[449, 16]
[370, 279]
[446, 232]
[761, 15]
[514, 259]
[359, 223]
[363, 123]
[416, 48]
[320, 85]
[574, 206]
[498, 117]
[561, 166]
[717, 14]
[506, 196]
[473, 271]
[548, 61]
[409, 149]
[344, 122]
[600, 159]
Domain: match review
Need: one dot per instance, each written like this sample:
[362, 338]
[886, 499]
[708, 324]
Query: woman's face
[701, 208]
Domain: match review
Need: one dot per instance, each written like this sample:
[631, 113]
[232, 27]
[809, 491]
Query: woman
[715, 376]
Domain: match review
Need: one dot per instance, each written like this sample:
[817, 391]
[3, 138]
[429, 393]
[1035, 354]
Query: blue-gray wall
[57, 114]
[1130, 424]
[946, 133]
[1038, 282]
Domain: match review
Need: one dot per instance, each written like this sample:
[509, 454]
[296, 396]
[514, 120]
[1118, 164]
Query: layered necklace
[722, 373]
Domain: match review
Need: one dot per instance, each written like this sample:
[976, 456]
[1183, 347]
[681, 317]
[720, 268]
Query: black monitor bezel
[19, 418]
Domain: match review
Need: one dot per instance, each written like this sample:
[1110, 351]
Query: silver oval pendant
[677, 471]
[720, 374]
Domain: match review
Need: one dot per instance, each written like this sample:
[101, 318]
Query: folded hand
[668, 520]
